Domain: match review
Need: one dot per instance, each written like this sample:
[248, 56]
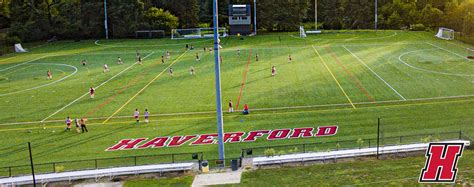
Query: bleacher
[347, 153]
[98, 173]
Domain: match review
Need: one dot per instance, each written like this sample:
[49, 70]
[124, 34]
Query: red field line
[350, 74]
[243, 80]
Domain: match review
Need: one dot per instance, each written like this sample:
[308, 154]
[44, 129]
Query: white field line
[386, 83]
[40, 86]
[429, 71]
[258, 109]
[22, 63]
[111, 78]
[464, 57]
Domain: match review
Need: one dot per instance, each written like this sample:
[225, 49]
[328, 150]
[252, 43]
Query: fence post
[54, 167]
[172, 158]
[460, 135]
[401, 139]
[135, 160]
[304, 148]
[369, 142]
[10, 171]
[95, 161]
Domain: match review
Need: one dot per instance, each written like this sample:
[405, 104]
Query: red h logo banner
[441, 162]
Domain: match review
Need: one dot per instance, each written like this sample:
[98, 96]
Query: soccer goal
[445, 33]
[470, 53]
[150, 34]
[197, 33]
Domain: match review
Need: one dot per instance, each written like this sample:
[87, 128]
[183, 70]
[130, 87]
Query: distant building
[240, 19]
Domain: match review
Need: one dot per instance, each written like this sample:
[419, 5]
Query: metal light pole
[376, 11]
[255, 16]
[315, 15]
[105, 21]
[32, 167]
[220, 122]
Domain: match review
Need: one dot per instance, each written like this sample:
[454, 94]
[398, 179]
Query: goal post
[445, 33]
[150, 34]
[197, 33]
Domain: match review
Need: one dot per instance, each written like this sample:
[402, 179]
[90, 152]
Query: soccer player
[147, 115]
[50, 74]
[191, 71]
[119, 60]
[187, 46]
[139, 60]
[171, 72]
[289, 59]
[231, 106]
[168, 55]
[76, 122]
[83, 125]
[136, 115]
[197, 57]
[106, 68]
[68, 124]
[91, 92]
[256, 57]
[84, 62]
[204, 49]
[238, 52]
[162, 59]
[246, 109]
[220, 57]
[274, 71]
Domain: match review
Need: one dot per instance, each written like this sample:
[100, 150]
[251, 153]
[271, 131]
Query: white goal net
[197, 33]
[445, 33]
[302, 32]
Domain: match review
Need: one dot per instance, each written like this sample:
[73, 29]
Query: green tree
[159, 19]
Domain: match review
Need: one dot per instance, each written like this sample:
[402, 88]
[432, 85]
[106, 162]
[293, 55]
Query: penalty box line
[103, 83]
[143, 89]
[377, 75]
[334, 77]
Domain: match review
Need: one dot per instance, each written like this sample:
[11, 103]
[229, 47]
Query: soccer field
[412, 81]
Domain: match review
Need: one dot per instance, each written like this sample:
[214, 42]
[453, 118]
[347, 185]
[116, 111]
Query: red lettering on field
[233, 137]
[155, 143]
[126, 144]
[302, 132]
[279, 134]
[205, 139]
[254, 134]
[326, 131]
[179, 140]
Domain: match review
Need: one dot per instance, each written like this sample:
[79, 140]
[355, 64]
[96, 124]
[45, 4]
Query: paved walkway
[217, 178]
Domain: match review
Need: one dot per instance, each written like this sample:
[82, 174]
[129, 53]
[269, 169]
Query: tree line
[32, 20]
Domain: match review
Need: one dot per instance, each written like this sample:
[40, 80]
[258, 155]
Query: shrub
[269, 152]
[417, 27]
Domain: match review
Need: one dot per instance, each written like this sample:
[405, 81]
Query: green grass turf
[428, 73]
[176, 181]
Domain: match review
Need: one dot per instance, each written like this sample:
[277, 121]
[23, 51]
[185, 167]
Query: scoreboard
[240, 19]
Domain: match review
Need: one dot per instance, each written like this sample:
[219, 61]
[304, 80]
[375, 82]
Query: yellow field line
[263, 114]
[334, 77]
[143, 89]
